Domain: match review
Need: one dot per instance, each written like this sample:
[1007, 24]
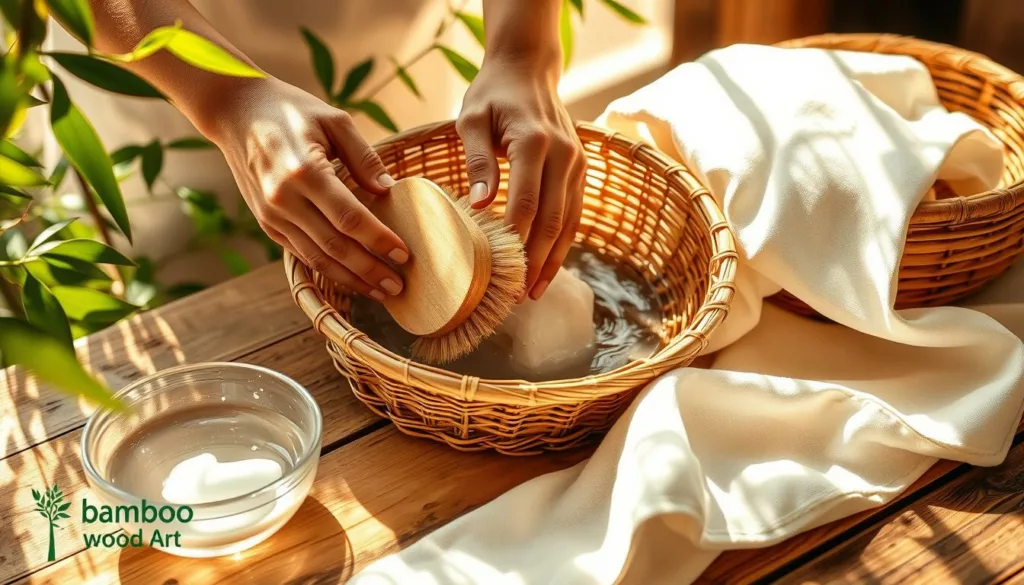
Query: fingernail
[376, 294]
[391, 286]
[477, 193]
[539, 289]
[386, 181]
[399, 256]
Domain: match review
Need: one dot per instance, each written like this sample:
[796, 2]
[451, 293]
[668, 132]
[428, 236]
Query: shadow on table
[286, 557]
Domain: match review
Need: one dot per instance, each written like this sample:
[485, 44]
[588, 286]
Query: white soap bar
[202, 479]
[555, 333]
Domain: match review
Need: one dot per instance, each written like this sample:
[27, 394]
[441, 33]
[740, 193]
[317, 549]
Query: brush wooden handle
[449, 263]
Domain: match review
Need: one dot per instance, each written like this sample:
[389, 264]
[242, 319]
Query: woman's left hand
[512, 108]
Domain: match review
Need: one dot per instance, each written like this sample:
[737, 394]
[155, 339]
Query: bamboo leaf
[235, 262]
[190, 143]
[204, 54]
[16, 193]
[465, 68]
[475, 24]
[75, 16]
[85, 152]
[578, 5]
[67, 272]
[354, 80]
[87, 250]
[86, 304]
[44, 311]
[17, 175]
[152, 163]
[151, 43]
[323, 61]
[11, 92]
[375, 112]
[565, 33]
[59, 171]
[15, 153]
[105, 75]
[51, 361]
[48, 234]
[406, 79]
[35, 494]
[624, 12]
[63, 515]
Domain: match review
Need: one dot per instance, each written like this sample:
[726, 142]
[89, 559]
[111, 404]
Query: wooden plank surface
[371, 496]
[23, 540]
[217, 324]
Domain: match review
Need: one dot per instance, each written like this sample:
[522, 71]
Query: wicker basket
[640, 208]
[955, 245]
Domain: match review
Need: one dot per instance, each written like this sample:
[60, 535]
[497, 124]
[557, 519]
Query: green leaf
[51, 361]
[33, 101]
[203, 200]
[63, 515]
[624, 12]
[43, 310]
[323, 62]
[87, 250]
[354, 80]
[17, 193]
[578, 5]
[35, 495]
[15, 153]
[60, 170]
[151, 43]
[105, 75]
[204, 54]
[475, 24]
[75, 16]
[152, 163]
[13, 244]
[403, 75]
[190, 143]
[11, 92]
[85, 152]
[67, 272]
[375, 112]
[466, 69]
[565, 34]
[64, 507]
[90, 305]
[235, 262]
[17, 175]
[49, 233]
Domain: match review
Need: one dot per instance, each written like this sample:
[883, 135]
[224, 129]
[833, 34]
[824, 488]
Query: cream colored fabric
[818, 159]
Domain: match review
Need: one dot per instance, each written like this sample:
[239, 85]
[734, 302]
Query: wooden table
[378, 490]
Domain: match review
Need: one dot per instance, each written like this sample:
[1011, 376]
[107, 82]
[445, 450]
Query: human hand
[512, 108]
[279, 142]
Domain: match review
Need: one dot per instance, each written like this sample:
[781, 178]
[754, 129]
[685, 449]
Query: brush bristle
[508, 281]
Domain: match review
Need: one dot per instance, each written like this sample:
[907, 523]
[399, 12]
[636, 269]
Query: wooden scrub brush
[465, 273]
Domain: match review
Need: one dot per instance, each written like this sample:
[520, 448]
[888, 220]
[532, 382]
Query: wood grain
[371, 497]
[213, 325]
[23, 538]
[450, 259]
[969, 532]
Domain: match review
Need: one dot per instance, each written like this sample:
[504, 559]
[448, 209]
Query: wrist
[223, 100]
[527, 39]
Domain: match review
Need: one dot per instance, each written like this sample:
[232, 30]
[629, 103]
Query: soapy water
[627, 325]
[143, 463]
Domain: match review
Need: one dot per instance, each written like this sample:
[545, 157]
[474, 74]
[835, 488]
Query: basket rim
[721, 269]
[953, 210]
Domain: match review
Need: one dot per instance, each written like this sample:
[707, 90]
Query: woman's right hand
[279, 142]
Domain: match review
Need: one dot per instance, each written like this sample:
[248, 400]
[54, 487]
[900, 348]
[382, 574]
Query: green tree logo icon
[50, 505]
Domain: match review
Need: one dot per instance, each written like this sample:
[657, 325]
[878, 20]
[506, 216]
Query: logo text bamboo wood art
[134, 515]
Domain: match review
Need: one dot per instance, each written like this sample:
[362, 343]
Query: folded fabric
[818, 159]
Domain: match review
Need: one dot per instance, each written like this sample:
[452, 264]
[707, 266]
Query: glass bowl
[232, 412]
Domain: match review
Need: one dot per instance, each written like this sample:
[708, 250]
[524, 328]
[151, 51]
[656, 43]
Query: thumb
[357, 155]
[481, 165]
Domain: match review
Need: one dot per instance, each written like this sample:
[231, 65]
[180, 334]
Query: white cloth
[818, 159]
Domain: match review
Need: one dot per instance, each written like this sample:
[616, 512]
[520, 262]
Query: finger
[474, 129]
[526, 166]
[547, 225]
[357, 155]
[349, 253]
[350, 217]
[570, 225]
[315, 258]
